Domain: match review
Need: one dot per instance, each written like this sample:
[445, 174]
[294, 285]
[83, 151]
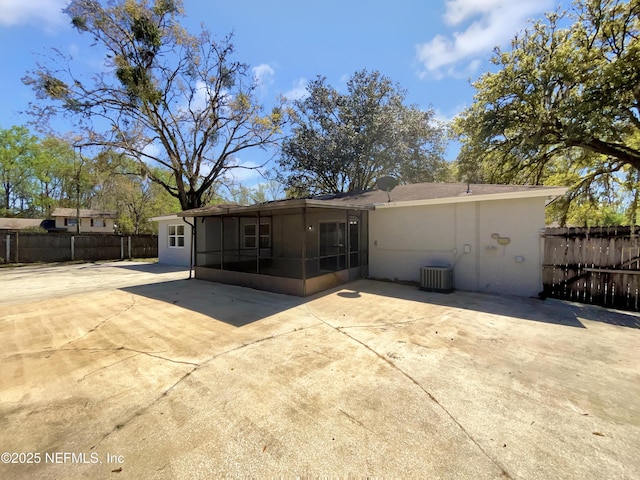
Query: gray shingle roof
[84, 213]
[425, 191]
[19, 223]
[369, 198]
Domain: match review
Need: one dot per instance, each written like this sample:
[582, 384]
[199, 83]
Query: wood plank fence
[19, 247]
[597, 265]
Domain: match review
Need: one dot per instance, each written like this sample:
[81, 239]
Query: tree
[565, 96]
[262, 192]
[119, 187]
[53, 174]
[168, 99]
[344, 142]
[18, 149]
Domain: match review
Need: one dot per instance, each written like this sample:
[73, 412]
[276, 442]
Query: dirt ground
[128, 370]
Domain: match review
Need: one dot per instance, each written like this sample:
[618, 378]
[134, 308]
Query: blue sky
[432, 48]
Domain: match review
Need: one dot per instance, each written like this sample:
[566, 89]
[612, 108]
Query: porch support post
[347, 247]
[304, 251]
[258, 244]
[221, 242]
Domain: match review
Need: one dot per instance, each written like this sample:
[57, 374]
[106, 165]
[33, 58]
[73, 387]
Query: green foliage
[260, 193]
[54, 87]
[563, 101]
[135, 199]
[344, 142]
[38, 175]
[173, 101]
[79, 23]
[18, 150]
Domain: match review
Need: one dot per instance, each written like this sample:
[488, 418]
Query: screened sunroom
[298, 247]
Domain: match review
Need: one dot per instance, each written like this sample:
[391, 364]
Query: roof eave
[278, 205]
[553, 192]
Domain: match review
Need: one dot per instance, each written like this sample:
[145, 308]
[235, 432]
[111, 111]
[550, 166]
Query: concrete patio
[128, 370]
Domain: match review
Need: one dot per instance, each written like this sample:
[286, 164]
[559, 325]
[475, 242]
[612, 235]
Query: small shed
[174, 240]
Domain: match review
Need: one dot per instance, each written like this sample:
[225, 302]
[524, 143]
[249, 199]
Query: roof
[19, 223]
[401, 196]
[84, 213]
[169, 216]
[420, 192]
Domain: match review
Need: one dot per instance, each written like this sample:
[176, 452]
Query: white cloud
[492, 23]
[451, 113]
[263, 74]
[298, 91]
[44, 13]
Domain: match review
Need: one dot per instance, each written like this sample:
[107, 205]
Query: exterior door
[333, 246]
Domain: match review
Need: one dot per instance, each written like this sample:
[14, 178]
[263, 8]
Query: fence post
[129, 247]
[121, 248]
[17, 247]
[7, 258]
[73, 247]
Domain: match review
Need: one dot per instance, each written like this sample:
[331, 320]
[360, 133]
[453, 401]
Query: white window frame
[174, 236]
[98, 222]
[248, 236]
[259, 238]
[264, 236]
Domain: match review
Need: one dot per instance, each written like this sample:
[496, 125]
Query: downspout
[193, 243]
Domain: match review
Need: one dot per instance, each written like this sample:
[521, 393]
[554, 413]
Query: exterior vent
[436, 279]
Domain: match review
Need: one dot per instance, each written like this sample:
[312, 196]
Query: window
[251, 236]
[265, 235]
[176, 236]
[97, 222]
[70, 222]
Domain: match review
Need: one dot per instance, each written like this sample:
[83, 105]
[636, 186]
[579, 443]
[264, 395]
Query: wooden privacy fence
[598, 265]
[47, 247]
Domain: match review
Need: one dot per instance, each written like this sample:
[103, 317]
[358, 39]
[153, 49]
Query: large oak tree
[562, 105]
[342, 142]
[167, 98]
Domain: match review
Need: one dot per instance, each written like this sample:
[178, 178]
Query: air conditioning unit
[436, 279]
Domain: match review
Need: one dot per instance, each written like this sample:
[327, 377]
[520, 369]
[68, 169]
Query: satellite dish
[387, 183]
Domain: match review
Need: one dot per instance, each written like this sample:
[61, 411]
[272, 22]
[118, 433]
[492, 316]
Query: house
[15, 224]
[488, 236]
[174, 240]
[91, 221]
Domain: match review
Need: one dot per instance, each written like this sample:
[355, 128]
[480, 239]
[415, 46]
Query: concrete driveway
[126, 370]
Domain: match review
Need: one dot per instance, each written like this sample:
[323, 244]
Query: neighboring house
[174, 240]
[488, 235]
[91, 221]
[13, 224]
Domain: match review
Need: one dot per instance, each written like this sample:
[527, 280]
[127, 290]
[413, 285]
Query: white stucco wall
[403, 239]
[173, 255]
